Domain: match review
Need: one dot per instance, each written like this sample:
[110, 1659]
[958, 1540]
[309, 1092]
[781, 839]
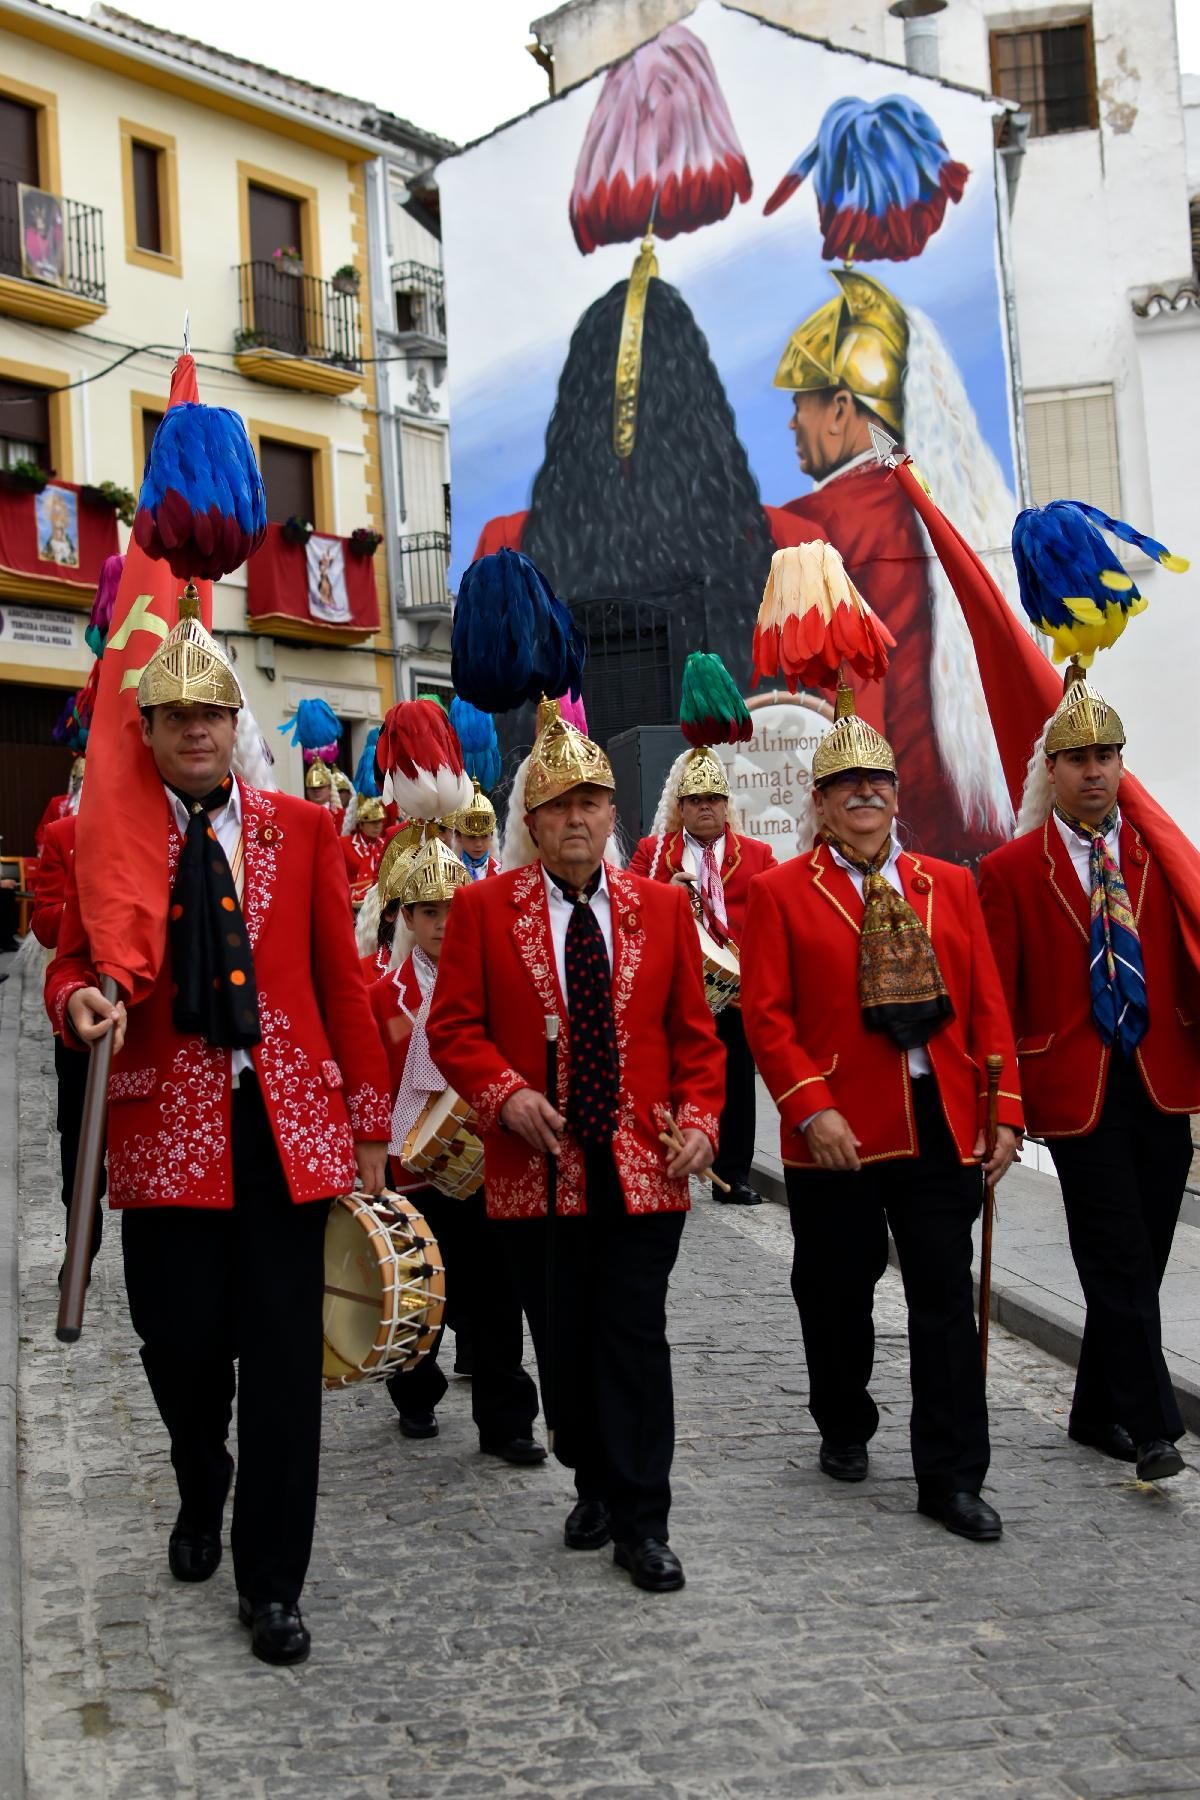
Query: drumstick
[674, 1141]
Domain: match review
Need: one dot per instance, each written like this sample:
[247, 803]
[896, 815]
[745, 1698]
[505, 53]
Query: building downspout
[1009, 156]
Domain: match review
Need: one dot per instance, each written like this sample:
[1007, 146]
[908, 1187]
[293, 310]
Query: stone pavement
[1035, 1290]
[829, 1642]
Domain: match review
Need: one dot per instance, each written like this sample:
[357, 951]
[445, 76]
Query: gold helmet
[402, 847]
[342, 781]
[852, 744]
[433, 874]
[369, 808]
[1083, 718]
[858, 340]
[187, 669]
[317, 776]
[478, 819]
[703, 773]
[562, 759]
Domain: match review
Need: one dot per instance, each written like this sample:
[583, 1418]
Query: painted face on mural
[829, 428]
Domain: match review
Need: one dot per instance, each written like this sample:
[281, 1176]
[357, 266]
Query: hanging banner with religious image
[312, 591]
[51, 547]
[328, 601]
[43, 245]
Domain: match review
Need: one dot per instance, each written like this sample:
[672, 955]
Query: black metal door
[629, 676]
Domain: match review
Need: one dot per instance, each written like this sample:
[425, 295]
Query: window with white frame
[1071, 435]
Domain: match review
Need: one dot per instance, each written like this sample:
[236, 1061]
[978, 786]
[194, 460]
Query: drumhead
[353, 1291]
[724, 955]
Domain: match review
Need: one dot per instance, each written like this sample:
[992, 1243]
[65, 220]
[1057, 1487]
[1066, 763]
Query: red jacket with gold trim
[1038, 916]
[50, 886]
[804, 1025]
[363, 857]
[743, 858]
[395, 1002]
[497, 981]
[320, 1066]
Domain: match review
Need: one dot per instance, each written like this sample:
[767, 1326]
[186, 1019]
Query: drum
[385, 1288]
[442, 1148]
[722, 970]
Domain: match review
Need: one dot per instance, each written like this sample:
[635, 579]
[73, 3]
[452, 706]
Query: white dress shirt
[560, 917]
[228, 826]
[1080, 850]
[918, 1060]
[697, 849]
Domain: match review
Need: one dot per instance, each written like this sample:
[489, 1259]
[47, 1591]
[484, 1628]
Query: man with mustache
[871, 1000]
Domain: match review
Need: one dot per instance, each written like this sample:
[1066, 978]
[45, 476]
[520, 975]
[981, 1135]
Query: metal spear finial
[884, 446]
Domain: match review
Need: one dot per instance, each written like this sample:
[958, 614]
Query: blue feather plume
[364, 770]
[512, 639]
[1072, 586]
[203, 507]
[314, 725]
[477, 735]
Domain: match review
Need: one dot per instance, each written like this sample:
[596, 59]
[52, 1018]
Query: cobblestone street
[829, 1640]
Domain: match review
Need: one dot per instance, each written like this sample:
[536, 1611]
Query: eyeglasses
[849, 779]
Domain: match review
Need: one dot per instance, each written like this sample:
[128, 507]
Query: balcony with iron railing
[423, 567]
[420, 297]
[297, 331]
[51, 257]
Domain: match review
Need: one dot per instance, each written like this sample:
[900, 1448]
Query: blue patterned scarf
[1118, 978]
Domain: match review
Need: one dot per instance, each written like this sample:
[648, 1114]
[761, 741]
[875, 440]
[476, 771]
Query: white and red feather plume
[661, 152]
[422, 761]
[813, 619]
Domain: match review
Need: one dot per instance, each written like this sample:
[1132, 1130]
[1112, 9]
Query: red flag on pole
[1022, 689]
[120, 854]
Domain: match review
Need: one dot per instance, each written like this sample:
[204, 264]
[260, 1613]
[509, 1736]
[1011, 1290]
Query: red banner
[55, 536]
[120, 845]
[316, 590]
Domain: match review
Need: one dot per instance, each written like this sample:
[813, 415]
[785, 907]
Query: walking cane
[993, 1064]
[548, 1370]
[85, 1195]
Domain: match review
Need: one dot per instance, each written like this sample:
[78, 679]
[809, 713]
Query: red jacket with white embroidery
[1037, 917]
[497, 982]
[376, 964]
[320, 1066]
[50, 885]
[805, 1027]
[395, 1002]
[742, 858]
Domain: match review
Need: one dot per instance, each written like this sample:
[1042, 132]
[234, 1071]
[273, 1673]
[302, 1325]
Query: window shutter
[1072, 441]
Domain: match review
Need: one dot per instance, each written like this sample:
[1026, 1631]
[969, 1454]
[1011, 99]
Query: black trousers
[603, 1355]
[736, 1154]
[1122, 1186]
[206, 1288]
[71, 1067]
[482, 1298]
[840, 1226]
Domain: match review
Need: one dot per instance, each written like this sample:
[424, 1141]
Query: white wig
[366, 922]
[942, 433]
[667, 816]
[350, 816]
[252, 760]
[1037, 796]
[403, 943]
[517, 848]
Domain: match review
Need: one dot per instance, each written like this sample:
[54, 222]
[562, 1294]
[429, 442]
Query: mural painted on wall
[658, 377]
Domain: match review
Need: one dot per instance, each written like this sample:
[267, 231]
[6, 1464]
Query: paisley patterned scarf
[900, 986]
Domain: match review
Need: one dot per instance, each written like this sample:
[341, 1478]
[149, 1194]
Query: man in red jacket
[49, 900]
[614, 961]
[247, 1089]
[363, 848]
[699, 847]
[871, 1001]
[1104, 1000]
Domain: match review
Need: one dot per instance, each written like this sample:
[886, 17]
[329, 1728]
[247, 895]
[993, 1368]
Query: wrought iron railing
[420, 292]
[62, 240]
[423, 565]
[299, 315]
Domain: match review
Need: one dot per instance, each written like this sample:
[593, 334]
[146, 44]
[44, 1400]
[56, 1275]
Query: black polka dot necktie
[594, 1075]
[212, 965]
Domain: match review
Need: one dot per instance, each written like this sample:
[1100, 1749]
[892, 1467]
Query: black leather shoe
[588, 1526]
[418, 1425]
[1110, 1440]
[740, 1194]
[845, 1462]
[1158, 1459]
[194, 1552]
[278, 1633]
[965, 1514]
[523, 1451]
[652, 1564]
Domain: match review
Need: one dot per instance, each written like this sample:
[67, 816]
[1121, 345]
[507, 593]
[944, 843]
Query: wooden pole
[85, 1195]
[994, 1065]
[549, 1397]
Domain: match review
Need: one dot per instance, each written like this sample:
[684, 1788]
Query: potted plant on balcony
[107, 494]
[364, 541]
[25, 477]
[346, 279]
[288, 260]
[296, 530]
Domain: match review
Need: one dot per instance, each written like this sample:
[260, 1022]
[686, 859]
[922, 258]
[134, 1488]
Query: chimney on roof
[920, 33]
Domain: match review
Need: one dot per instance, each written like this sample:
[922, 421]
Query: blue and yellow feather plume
[1072, 586]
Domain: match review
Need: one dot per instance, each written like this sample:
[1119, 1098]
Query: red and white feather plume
[813, 619]
[422, 761]
[661, 152]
